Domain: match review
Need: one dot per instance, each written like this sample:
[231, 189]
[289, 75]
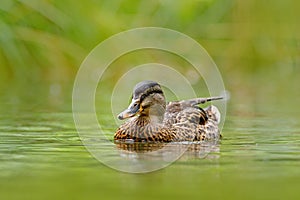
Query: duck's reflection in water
[168, 151]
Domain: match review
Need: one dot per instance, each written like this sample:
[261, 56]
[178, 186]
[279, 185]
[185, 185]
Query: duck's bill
[126, 114]
[131, 111]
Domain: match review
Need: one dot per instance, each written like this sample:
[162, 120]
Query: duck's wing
[177, 106]
[187, 122]
[191, 121]
[194, 124]
[196, 101]
[174, 108]
[209, 130]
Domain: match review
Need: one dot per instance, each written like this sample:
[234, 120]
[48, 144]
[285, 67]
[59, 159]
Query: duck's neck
[149, 119]
[155, 114]
[156, 119]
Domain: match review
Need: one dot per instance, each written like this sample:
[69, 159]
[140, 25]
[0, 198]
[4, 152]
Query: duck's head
[147, 101]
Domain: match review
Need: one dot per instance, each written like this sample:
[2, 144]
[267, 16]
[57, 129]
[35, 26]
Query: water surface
[42, 157]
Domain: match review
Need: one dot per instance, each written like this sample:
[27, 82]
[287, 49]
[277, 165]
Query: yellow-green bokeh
[254, 43]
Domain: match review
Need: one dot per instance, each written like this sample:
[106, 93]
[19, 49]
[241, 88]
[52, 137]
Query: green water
[42, 157]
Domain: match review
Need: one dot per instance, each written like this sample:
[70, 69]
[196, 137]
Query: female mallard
[154, 121]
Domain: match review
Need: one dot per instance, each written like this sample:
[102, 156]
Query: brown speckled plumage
[154, 121]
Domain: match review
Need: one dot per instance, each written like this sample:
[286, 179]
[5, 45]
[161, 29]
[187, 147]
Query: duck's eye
[145, 106]
[143, 97]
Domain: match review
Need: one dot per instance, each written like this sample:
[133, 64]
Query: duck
[151, 119]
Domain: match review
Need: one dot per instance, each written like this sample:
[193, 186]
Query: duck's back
[191, 122]
[180, 112]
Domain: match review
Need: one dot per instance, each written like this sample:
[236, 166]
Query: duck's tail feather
[213, 113]
[196, 101]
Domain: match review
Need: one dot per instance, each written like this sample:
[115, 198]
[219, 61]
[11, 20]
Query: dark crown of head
[145, 88]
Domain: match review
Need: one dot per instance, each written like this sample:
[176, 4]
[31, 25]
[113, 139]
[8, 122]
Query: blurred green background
[255, 44]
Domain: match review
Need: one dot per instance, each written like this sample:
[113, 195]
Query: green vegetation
[43, 39]
[253, 42]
